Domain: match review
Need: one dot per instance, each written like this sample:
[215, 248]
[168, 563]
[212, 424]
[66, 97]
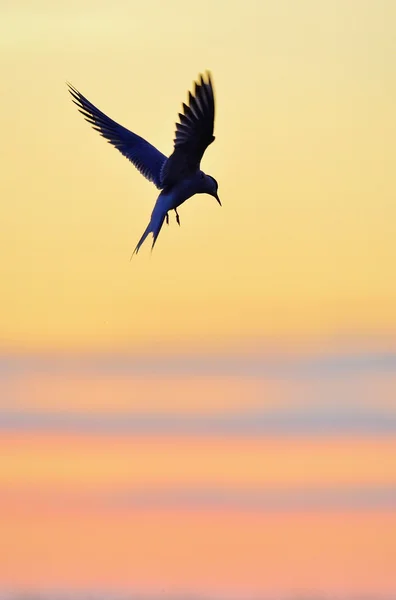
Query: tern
[179, 177]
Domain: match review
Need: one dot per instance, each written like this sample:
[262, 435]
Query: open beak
[218, 199]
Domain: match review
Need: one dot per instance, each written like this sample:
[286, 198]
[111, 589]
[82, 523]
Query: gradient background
[218, 418]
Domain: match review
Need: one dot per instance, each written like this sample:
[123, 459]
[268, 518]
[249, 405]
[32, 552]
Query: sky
[304, 244]
[217, 417]
[214, 476]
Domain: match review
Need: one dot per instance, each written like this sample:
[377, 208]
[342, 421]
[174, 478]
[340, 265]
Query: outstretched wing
[194, 133]
[147, 159]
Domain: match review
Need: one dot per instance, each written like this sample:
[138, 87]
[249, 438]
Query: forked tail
[153, 227]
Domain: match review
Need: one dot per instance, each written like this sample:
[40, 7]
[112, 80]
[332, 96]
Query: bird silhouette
[178, 177]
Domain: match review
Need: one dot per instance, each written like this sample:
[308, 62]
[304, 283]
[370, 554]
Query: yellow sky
[70, 462]
[305, 242]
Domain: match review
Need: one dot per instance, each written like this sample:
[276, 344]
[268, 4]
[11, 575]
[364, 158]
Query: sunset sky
[218, 417]
[304, 153]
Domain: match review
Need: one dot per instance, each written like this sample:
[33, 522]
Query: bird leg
[177, 217]
[167, 218]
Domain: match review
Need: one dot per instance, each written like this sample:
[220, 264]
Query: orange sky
[83, 462]
[54, 535]
[219, 511]
[198, 551]
[299, 261]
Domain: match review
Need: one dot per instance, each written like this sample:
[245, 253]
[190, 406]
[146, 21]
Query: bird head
[213, 187]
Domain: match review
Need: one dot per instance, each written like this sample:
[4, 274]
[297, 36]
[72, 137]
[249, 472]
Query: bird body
[178, 177]
[171, 198]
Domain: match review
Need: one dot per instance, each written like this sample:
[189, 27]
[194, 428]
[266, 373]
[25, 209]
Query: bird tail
[154, 227]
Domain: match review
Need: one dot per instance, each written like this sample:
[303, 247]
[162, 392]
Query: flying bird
[178, 177]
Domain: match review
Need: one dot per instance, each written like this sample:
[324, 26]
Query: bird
[179, 176]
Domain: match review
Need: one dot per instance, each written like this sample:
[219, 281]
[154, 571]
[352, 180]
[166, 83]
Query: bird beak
[218, 199]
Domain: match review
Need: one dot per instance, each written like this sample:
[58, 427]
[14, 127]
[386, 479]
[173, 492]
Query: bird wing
[145, 157]
[194, 133]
